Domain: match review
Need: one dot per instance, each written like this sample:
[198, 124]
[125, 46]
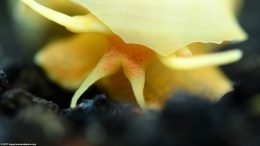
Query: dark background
[22, 73]
[245, 74]
[27, 113]
[7, 38]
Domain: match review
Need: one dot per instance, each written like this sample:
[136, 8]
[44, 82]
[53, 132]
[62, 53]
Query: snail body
[140, 36]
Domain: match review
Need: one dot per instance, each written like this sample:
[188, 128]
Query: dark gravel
[34, 110]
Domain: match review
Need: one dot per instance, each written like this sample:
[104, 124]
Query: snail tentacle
[106, 66]
[199, 61]
[77, 24]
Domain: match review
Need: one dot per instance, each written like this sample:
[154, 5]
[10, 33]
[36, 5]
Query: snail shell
[167, 25]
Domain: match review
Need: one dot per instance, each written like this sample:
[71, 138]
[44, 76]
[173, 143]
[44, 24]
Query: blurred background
[234, 121]
[12, 43]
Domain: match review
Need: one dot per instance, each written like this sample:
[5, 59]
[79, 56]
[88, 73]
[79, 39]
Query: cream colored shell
[167, 25]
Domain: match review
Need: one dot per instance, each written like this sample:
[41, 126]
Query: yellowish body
[155, 47]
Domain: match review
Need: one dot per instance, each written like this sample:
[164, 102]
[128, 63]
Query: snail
[152, 44]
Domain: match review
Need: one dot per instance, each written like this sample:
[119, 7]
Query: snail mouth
[129, 57]
[184, 60]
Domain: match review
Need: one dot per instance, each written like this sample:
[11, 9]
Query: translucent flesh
[68, 61]
[199, 61]
[164, 26]
[79, 24]
[132, 58]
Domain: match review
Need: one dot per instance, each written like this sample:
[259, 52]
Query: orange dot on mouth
[133, 57]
